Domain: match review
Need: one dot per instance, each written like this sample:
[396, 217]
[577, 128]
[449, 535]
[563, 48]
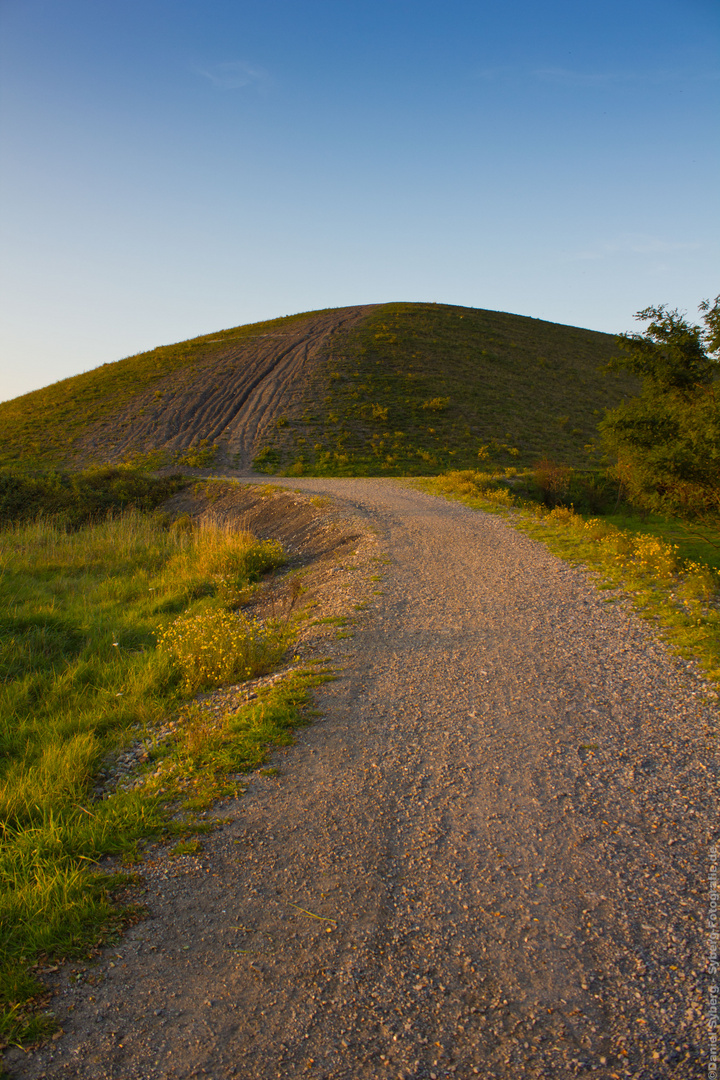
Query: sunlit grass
[416, 389]
[42, 428]
[82, 677]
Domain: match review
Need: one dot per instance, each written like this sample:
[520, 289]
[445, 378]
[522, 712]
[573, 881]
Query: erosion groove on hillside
[230, 397]
[488, 858]
[417, 388]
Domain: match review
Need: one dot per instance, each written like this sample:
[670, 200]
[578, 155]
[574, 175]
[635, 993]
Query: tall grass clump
[474, 484]
[81, 676]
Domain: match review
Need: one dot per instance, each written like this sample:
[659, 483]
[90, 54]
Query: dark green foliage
[268, 460]
[671, 354]
[552, 484]
[419, 388]
[667, 439]
[77, 498]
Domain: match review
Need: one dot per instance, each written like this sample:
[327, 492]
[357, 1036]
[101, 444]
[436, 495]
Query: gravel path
[488, 858]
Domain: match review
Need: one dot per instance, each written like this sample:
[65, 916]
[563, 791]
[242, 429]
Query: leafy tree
[667, 439]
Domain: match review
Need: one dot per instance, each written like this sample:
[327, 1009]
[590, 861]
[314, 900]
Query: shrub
[655, 556]
[200, 456]
[592, 492]
[267, 460]
[553, 481]
[597, 530]
[75, 499]
[646, 553]
[564, 515]
[667, 438]
[216, 647]
[700, 582]
[476, 485]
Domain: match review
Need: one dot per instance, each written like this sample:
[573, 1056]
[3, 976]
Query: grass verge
[670, 572]
[108, 632]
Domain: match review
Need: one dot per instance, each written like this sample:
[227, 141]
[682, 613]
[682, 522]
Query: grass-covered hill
[419, 388]
[383, 389]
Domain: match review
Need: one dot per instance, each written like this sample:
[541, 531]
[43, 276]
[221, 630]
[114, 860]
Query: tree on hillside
[667, 439]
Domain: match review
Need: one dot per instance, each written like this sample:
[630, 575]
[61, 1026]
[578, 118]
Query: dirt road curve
[504, 818]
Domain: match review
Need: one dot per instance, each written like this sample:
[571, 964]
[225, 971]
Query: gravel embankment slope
[233, 395]
[503, 815]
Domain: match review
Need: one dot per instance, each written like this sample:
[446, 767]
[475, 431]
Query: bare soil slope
[230, 397]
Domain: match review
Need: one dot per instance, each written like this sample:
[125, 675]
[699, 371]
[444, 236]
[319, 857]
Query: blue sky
[173, 167]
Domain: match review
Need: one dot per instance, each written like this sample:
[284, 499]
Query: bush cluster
[650, 555]
[76, 498]
[667, 438]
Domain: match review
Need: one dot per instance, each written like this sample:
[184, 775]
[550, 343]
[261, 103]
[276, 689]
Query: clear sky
[174, 167]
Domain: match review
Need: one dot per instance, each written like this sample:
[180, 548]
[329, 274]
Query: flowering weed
[213, 647]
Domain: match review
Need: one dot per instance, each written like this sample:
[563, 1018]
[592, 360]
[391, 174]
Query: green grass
[695, 542]
[43, 428]
[671, 572]
[83, 676]
[420, 388]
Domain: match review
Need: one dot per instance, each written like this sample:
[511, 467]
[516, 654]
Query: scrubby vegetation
[420, 388]
[83, 609]
[75, 498]
[666, 440]
[216, 647]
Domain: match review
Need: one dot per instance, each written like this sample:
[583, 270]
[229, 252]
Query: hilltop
[377, 389]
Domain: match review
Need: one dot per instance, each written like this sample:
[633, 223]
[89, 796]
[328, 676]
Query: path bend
[503, 815]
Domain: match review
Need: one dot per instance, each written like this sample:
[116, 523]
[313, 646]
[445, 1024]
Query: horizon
[170, 170]
[290, 315]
